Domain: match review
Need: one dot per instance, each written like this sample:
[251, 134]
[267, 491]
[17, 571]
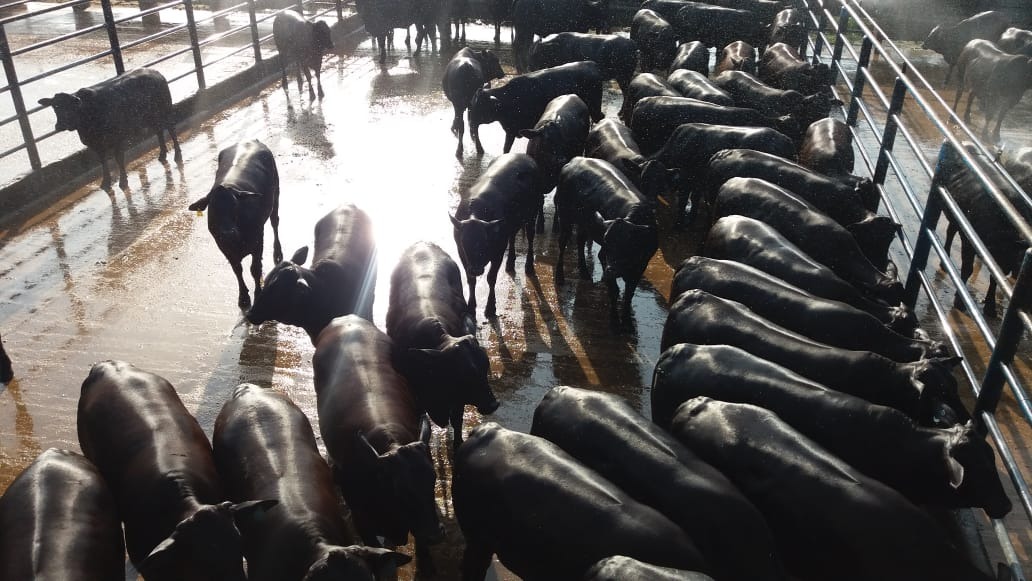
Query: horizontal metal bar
[56, 40]
[166, 57]
[227, 55]
[153, 37]
[54, 8]
[148, 12]
[65, 67]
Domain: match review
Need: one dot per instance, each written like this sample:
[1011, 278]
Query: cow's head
[356, 563]
[228, 217]
[321, 39]
[206, 546]
[595, 14]
[405, 480]
[461, 364]
[490, 65]
[67, 109]
[478, 241]
[939, 405]
[652, 177]
[874, 235]
[485, 107]
[286, 293]
[628, 246]
[970, 465]
[936, 39]
[544, 55]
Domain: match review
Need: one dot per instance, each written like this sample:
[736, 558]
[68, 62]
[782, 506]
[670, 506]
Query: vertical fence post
[859, 81]
[19, 101]
[340, 10]
[256, 40]
[899, 93]
[116, 48]
[923, 245]
[301, 7]
[191, 26]
[1011, 331]
[840, 37]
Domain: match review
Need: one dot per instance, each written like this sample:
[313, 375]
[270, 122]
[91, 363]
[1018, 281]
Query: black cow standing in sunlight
[245, 195]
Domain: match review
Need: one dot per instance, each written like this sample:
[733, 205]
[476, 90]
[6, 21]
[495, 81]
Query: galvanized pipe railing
[937, 200]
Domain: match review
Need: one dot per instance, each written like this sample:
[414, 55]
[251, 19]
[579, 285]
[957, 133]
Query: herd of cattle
[801, 419]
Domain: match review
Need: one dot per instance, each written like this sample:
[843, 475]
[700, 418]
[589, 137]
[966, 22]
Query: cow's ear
[300, 256]
[529, 133]
[378, 557]
[455, 221]
[160, 557]
[251, 511]
[954, 469]
[424, 429]
[366, 451]
[46, 101]
[949, 362]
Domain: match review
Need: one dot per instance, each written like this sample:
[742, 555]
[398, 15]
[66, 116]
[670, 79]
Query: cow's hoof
[458, 154]
[510, 267]
[123, 182]
[244, 303]
[163, 157]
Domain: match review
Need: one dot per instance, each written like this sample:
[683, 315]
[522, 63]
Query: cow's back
[426, 298]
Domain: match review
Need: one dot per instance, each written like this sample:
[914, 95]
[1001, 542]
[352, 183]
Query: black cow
[655, 118]
[737, 56]
[749, 91]
[605, 434]
[1001, 238]
[381, 17]
[692, 143]
[1016, 41]
[811, 230]
[665, 8]
[620, 568]
[158, 463]
[949, 39]
[376, 435]
[781, 68]
[264, 449]
[519, 103]
[558, 136]
[952, 467]
[999, 80]
[611, 140]
[608, 209]
[836, 199]
[717, 26]
[655, 38]
[759, 245]
[615, 55]
[111, 113]
[547, 516]
[789, 27]
[645, 85]
[830, 322]
[693, 56]
[507, 197]
[827, 148]
[696, 85]
[435, 343]
[245, 195]
[925, 390]
[341, 280]
[466, 72]
[58, 520]
[6, 370]
[541, 17]
[302, 42]
[860, 529]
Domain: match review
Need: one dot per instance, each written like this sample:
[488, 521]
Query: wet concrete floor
[134, 275]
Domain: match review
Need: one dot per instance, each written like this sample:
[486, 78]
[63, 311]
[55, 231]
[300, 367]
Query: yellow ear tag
[200, 213]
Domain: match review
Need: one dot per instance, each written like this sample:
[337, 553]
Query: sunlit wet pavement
[134, 275]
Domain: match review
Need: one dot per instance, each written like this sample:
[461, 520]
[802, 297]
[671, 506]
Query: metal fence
[891, 151]
[68, 45]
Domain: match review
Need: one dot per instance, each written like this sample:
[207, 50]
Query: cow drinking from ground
[340, 281]
[302, 42]
[245, 195]
[377, 437]
[110, 114]
[159, 465]
[435, 343]
[265, 449]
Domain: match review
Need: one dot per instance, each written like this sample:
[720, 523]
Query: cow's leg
[582, 248]
[630, 285]
[528, 268]
[565, 229]
[105, 181]
[301, 72]
[471, 304]
[492, 276]
[510, 138]
[318, 81]
[541, 216]
[383, 51]
[967, 266]
[476, 559]
[123, 179]
[474, 132]
[956, 99]
[277, 250]
[283, 72]
[458, 128]
[243, 300]
[990, 298]
[162, 150]
[178, 157]
[951, 231]
[510, 263]
[498, 33]
[256, 266]
[614, 294]
[967, 109]
[455, 419]
[949, 73]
